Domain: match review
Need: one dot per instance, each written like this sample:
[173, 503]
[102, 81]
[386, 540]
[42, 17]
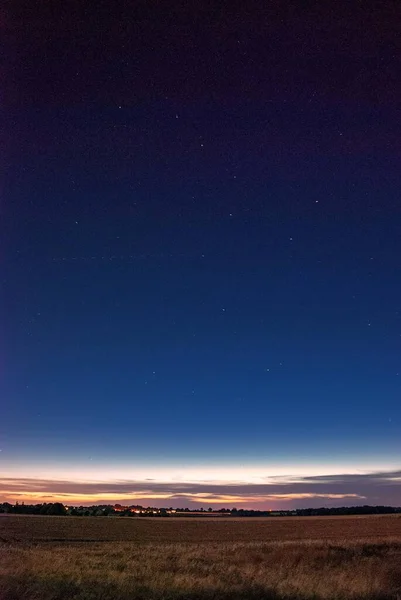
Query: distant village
[118, 510]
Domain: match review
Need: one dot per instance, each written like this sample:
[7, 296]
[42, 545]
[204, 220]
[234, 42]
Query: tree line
[59, 509]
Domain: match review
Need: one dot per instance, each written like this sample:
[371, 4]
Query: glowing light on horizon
[238, 485]
[210, 498]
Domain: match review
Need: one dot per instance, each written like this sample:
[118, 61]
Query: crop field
[114, 558]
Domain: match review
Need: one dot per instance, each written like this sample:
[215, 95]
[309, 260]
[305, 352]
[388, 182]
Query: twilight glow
[227, 488]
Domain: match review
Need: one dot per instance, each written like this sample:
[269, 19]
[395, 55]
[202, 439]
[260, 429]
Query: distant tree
[57, 509]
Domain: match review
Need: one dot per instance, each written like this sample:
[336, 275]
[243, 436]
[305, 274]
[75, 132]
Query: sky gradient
[201, 256]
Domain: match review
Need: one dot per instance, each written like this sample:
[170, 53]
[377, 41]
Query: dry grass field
[72, 558]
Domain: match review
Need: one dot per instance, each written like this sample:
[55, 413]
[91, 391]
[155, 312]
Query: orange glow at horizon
[206, 498]
[259, 486]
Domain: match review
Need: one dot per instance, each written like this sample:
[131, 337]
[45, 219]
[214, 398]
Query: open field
[172, 530]
[72, 558]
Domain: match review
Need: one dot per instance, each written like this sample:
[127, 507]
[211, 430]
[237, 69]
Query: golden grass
[352, 566]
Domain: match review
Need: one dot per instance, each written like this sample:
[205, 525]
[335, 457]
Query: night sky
[201, 254]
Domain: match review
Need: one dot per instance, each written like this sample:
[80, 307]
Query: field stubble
[60, 558]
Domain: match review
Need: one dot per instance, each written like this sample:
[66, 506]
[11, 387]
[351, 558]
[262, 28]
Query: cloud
[367, 488]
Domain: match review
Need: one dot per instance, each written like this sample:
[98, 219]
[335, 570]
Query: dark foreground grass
[127, 571]
[199, 570]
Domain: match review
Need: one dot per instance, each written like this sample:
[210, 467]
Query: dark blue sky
[202, 245]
